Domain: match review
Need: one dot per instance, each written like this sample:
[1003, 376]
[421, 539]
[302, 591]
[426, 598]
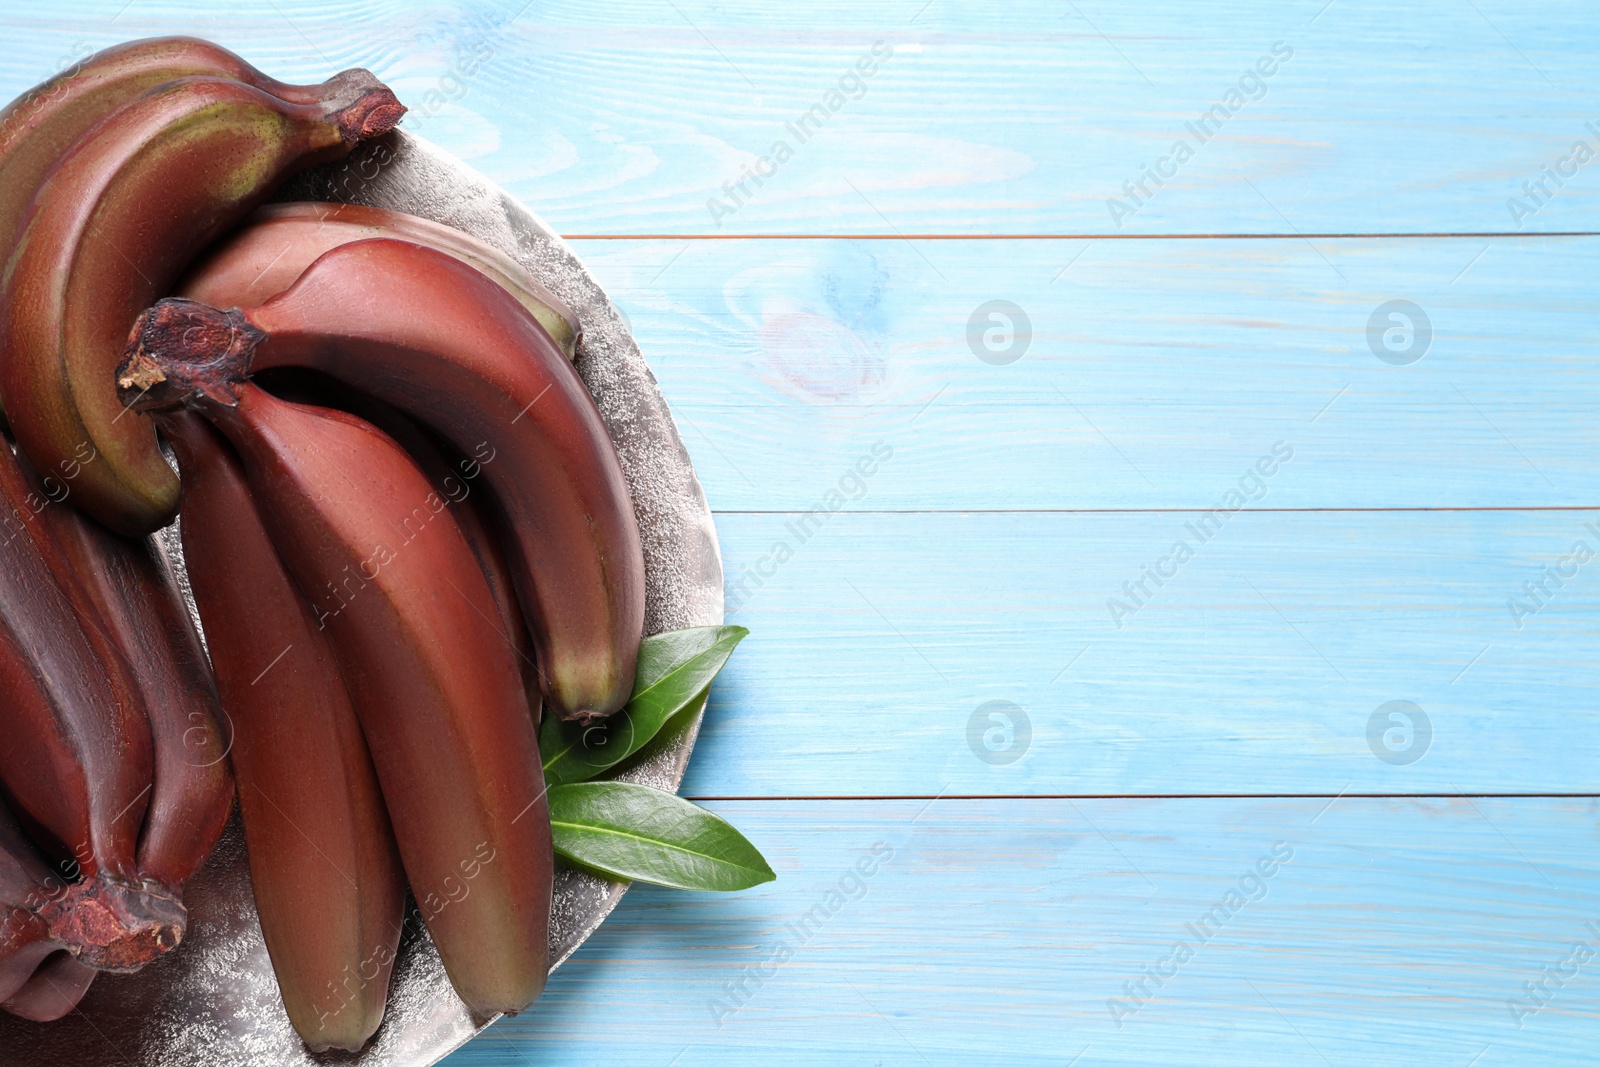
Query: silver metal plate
[214, 1002]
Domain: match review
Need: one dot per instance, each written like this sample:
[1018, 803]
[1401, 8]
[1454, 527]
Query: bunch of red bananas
[405, 526]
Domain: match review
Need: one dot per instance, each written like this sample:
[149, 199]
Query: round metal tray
[214, 1002]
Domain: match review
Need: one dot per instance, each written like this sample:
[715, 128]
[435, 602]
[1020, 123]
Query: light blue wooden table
[1122, 801]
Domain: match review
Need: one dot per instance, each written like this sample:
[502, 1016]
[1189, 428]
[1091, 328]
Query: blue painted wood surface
[1008, 932]
[1151, 374]
[989, 118]
[980, 554]
[1256, 668]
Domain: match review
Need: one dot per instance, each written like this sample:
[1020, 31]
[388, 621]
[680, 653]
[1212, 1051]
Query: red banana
[123, 213]
[274, 246]
[446, 345]
[54, 990]
[27, 888]
[38, 127]
[132, 584]
[455, 481]
[328, 883]
[75, 743]
[438, 695]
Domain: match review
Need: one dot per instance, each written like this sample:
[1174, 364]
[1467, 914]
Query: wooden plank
[1395, 933]
[1256, 668]
[1156, 375]
[630, 117]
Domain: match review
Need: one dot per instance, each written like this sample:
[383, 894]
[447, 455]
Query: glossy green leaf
[639, 834]
[675, 672]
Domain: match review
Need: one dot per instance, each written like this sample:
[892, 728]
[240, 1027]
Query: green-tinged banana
[119, 219]
[445, 344]
[131, 583]
[38, 127]
[405, 607]
[328, 883]
[54, 991]
[274, 246]
[75, 743]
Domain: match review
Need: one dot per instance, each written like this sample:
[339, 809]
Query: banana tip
[382, 118]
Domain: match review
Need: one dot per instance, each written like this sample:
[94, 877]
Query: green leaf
[636, 833]
[675, 672]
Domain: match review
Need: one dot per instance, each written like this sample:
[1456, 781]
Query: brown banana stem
[114, 927]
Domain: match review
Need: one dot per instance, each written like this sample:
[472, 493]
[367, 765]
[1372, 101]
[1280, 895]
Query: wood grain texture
[974, 562]
[629, 117]
[996, 932]
[1254, 669]
[1150, 374]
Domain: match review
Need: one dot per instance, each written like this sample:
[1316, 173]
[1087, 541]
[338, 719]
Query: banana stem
[114, 927]
[362, 106]
[182, 353]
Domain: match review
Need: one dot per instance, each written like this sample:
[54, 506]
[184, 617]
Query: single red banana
[38, 127]
[25, 943]
[328, 882]
[122, 214]
[192, 798]
[273, 247]
[455, 478]
[440, 341]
